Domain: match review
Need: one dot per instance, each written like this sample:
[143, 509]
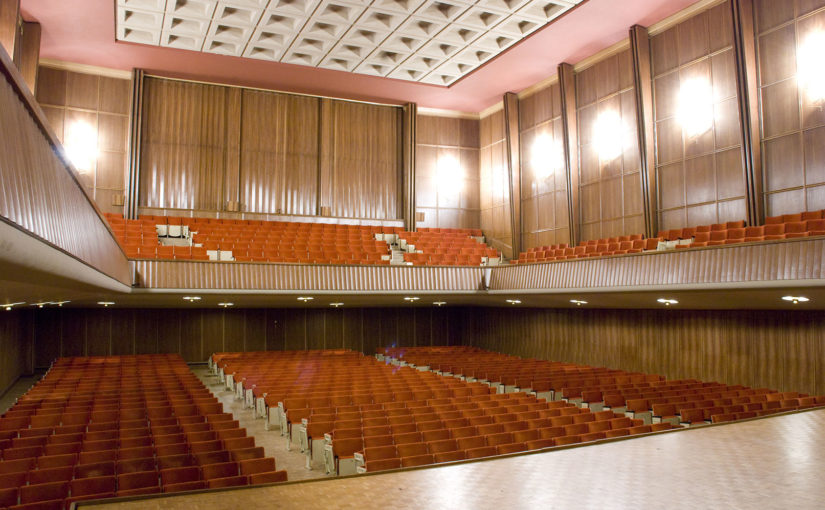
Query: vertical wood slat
[326, 176]
[645, 128]
[511, 143]
[408, 152]
[30, 54]
[231, 184]
[748, 93]
[567, 84]
[132, 201]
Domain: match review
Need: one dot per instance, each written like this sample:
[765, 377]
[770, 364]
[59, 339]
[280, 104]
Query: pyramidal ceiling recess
[428, 41]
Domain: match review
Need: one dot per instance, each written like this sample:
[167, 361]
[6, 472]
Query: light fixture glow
[336, 305]
[226, 305]
[41, 304]
[81, 145]
[578, 302]
[411, 299]
[191, 299]
[439, 303]
[547, 156]
[106, 304]
[795, 299]
[695, 110]
[609, 136]
[305, 298]
[9, 306]
[667, 302]
[513, 301]
[450, 176]
[810, 72]
[60, 303]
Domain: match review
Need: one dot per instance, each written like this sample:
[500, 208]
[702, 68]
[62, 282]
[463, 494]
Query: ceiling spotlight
[795, 299]
[578, 302]
[411, 299]
[667, 302]
[60, 303]
[305, 298]
[336, 305]
[226, 305]
[440, 303]
[514, 301]
[41, 304]
[9, 306]
[106, 304]
[191, 299]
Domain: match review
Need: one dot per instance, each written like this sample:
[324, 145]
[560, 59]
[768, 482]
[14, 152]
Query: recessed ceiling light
[667, 302]
[795, 299]
[578, 302]
[411, 299]
[514, 301]
[305, 298]
[41, 304]
[191, 299]
[336, 305]
[60, 303]
[226, 305]
[106, 303]
[440, 303]
[9, 306]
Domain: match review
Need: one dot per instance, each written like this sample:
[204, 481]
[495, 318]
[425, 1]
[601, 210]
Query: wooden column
[567, 85]
[410, 114]
[9, 26]
[30, 54]
[511, 139]
[748, 94]
[132, 199]
[645, 125]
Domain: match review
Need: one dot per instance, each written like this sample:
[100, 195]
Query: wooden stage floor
[776, 462]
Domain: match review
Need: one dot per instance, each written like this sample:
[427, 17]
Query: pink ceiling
[82, 31]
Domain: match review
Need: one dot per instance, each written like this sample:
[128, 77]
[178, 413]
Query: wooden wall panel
[15, 357]
[279, 153]
[102, 104]
[441, 139]
[770, 349]
[366, 160]
[494, 197]
[793, 125]
[700, 178]
[543, 180]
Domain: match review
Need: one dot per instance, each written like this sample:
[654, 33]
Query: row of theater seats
[101, 427]
[648, 397]
[788, 226]
[435, 247]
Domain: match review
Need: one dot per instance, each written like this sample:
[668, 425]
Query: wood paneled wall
[700, 178]
[494, 194]
[440, 139]
[793, 122]
[69, 99]
[544, 207]
[610, 186]
[205, 146]
[197, 333]
[780, 350]
[15, 348]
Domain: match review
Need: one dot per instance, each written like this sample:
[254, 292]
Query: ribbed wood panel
[197, 333]
[494, 193]
[158, 274]
[184, 144]
[40, 194]
[788, 260]
[772, 349]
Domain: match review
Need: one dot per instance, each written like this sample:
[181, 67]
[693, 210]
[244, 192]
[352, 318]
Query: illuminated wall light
[667, 302]
[305, 298]
[795, 299]
[513, 301]
[810, 71]
[9, 306]
[440, 303]
[106, 304]
[411, 299]
[226, 305]
[609, 136]
[81, 145]
[450, 176]
[336, 305]
[60, 303]
[578, 302]
[547, 156]
[191, 299]
[695, 110]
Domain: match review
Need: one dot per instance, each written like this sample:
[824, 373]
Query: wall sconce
[81, 145]
[810, 72]
[449, 175]
[695, 107]
[547, 156]
[609, 135]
